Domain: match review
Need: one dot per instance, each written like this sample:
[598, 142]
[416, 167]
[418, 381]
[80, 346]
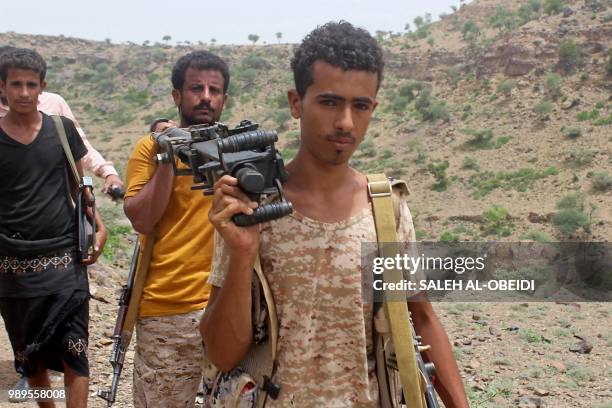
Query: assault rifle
[129, 302]
[427, 370]
[244, 152]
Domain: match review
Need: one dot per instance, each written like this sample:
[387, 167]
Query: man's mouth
[341, 140]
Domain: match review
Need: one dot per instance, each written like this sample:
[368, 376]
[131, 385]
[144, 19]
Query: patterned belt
[15, 265]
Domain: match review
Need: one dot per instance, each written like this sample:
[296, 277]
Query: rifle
[427, 370]
[129, 303]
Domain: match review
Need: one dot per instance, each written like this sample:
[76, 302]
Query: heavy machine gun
[245, 152]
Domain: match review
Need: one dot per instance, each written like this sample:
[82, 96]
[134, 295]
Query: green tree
[279, 35]
[253, 37]
[503, 19]
[570, 56]
[166, 38]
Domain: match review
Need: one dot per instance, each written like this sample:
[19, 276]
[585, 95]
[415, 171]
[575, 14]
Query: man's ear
[295, 103]
[43, 85]
[225, 96]
[176, 95]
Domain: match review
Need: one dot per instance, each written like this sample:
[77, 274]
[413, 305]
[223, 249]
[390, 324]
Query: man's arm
[149, 187]
[54, 104]
[226, 325]
[448, 381]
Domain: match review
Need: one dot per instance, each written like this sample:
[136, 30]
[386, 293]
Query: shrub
[439, 172]
[496, 221]
[572, 215]
[504, 19]
[553, 6]
[448, 236]
[429, 108]
[469, 27]
[572, 132]
[470, 164]
[581, 157]
[609, 63]
[505, 87]
[411, 89]
[570, 56]
[537, 236]
[552, 83]
[543, 109]
[602, 181]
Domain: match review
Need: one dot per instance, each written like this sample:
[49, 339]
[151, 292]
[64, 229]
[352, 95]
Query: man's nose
[344, 120]
[205, 95]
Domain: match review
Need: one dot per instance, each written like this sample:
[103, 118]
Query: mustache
[204, 105]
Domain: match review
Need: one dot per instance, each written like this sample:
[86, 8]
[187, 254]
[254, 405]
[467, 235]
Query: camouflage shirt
[325, 351]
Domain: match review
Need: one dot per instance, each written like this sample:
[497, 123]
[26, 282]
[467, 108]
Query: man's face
[202, 98]
[335, 112]
[21, 90]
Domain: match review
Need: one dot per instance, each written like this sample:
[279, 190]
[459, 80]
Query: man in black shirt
[43, 286]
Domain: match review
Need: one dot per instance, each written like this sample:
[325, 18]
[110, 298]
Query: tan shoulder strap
[380, 191]
[61, 131]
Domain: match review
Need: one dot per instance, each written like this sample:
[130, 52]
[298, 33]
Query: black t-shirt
[35, 203]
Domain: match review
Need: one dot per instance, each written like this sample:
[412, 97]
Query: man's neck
[23, 120]
[309, 175]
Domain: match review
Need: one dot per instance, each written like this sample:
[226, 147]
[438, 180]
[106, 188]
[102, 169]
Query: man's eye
[362, 106]
[328, 102]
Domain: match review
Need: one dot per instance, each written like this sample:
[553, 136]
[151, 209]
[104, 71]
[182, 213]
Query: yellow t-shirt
[180, 263]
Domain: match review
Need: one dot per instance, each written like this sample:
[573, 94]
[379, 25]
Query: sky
[229, 22]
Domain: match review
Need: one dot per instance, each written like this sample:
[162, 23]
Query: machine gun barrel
[247, 141]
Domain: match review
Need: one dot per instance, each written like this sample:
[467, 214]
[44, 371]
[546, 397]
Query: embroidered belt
[18, 265]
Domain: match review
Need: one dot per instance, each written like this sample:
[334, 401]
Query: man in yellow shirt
[169, 352]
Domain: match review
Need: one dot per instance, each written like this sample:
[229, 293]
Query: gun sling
[379, 189]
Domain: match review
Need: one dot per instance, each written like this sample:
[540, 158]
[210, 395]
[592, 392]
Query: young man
[312, 258]
[53, 104]
[169, 349]
[43, 286]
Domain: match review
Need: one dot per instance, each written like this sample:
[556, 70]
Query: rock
[478, 387]
[540, 392]
[570, 103]
[582, 347]
[476, 316]
[106, 341]
[530, 401]
[466, 342]
[567, 12]
[493, 331]
[559, 366]
[518, 67]
[474, 364]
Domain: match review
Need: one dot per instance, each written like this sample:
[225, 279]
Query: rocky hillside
[499, 116]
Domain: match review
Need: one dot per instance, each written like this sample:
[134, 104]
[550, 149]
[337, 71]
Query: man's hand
[110, 181]
[161, 126]
[229, 200]
[101, 233]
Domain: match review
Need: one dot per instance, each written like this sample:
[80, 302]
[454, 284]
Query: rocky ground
[509, 354]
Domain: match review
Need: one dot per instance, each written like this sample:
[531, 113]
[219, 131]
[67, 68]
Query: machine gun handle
[266, 212]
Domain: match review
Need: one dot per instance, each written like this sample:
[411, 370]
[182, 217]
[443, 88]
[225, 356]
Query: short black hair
[340, 44]
[5, 48]
[199, 60]
[22, 58]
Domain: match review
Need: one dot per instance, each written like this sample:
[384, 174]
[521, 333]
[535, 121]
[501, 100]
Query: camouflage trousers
[169, 361]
